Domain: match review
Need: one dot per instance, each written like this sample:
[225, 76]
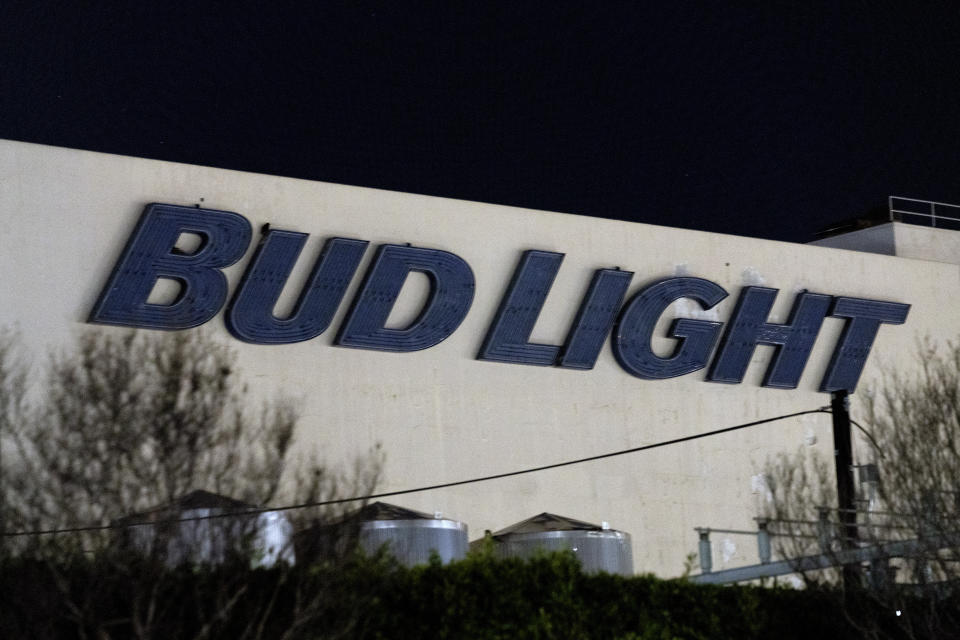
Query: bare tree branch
[125, 422]
[914, 419]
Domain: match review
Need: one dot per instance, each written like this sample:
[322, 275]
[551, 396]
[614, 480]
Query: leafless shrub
[128, 422]
[908, 513]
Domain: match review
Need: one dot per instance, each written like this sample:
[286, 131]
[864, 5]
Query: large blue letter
[451, 293]
[748, 327]
[508, 338]
[250, 314]
[150, 254]
[595, 318]
[853, 347]
[631, 337]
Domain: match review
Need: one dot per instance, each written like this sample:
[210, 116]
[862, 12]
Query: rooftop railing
[924, 212]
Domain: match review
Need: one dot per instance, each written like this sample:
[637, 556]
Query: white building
[441, 413]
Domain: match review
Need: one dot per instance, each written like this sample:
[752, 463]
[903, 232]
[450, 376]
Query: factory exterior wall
[440, 413]
[877, 239]
[926, 243]
[902, 240]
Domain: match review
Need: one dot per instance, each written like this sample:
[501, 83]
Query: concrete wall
[876, 239]
[902, 240]
[442, 415]
[926, 243]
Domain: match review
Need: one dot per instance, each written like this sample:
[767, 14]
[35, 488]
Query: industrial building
[473, 340]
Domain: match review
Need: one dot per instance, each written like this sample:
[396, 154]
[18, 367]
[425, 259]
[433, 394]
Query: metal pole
[824, 534]
[846, 493]
[706, 561]
[763, 541]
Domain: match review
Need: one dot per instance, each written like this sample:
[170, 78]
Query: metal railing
[830, 548]
[878, 554]
[706, 553]
[924, 212]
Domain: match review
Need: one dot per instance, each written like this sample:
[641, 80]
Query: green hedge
[549, 597]
[480, 597]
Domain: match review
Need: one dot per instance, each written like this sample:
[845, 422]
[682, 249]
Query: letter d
[150, 255]
[451, 293]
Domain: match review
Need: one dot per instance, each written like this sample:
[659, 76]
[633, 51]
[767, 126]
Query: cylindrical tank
[203, 536]
[410, 536]
[413, 541]
[598, 548]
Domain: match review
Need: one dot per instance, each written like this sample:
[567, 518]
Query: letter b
[150, 255]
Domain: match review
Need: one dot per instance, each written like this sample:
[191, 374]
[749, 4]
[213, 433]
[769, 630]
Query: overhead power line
[401, 492]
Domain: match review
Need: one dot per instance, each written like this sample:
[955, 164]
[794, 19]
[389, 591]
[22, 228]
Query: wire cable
[869, 437]
[401, 492]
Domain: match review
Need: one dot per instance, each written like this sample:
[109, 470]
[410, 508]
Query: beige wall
[440, 414]
[876, 239]
[900, 239]
[926, 243]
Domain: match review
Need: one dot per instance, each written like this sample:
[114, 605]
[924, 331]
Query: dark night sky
[770, 122]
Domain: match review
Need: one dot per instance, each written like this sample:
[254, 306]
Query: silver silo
[410, 536]
[206, 533]
[598, 548]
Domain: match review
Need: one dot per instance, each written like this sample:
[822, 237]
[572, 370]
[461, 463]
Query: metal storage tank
[598, 547]
[410, 536]
[267, 537]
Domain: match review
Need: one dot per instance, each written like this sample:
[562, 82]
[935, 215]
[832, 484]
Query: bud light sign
[151, 254]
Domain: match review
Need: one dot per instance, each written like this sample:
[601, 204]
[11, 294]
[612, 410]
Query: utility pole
[846, 493]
